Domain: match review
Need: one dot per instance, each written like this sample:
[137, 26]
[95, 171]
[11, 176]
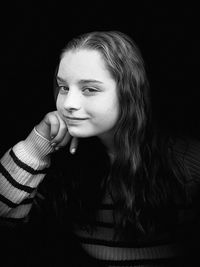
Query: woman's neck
[108, 142]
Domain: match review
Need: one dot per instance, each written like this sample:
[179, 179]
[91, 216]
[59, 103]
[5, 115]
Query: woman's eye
[63, 89]
[90, 90]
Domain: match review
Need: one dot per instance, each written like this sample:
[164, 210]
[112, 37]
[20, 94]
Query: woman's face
[87, 98]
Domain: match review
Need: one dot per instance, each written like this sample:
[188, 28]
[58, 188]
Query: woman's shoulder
[186, 150]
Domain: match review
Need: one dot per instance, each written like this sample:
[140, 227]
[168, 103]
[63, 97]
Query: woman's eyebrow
[84, 81]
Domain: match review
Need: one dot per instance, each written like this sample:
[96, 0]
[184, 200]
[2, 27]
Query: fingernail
[73, 150]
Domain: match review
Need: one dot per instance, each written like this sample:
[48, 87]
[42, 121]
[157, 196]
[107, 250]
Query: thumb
[73, 145]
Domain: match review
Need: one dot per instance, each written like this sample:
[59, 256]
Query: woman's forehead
[84, 64]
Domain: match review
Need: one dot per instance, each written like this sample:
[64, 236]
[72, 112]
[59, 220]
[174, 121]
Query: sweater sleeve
[22, 169]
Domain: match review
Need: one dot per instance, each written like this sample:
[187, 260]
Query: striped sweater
[23, 168]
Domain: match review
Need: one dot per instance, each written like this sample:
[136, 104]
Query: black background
[33, 35]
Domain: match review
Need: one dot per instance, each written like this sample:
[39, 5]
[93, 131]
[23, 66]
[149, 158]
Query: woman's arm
[22, 168]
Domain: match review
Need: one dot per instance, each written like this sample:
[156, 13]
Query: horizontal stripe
[102, 233]
[11, 204]
[106, 236]
[104, 216]
[10, 179]
[131, 254]
[24, 166]
[104, 224]
[106, 207]
[122, 244]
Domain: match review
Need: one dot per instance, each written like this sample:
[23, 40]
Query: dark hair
[144, 174]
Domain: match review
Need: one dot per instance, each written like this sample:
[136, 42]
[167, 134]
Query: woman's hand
[54, 128]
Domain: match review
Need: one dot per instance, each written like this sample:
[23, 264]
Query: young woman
[127, 191]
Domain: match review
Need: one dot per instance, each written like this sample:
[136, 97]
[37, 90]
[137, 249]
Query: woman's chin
[79, 134]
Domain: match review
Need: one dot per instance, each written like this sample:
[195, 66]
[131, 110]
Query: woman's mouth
[74, 120]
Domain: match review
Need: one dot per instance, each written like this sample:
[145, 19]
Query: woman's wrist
[34, 150]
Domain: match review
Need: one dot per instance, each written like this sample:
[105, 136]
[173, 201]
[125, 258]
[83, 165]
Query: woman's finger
[64, 140]
[73, 145]
[61, 132]
[54, 123]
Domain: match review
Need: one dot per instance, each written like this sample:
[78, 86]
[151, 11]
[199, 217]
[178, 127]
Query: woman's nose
[72, 100]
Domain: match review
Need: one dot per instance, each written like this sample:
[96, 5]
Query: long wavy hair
[144, 175]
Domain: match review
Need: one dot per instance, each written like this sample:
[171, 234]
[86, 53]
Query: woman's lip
[75, 118]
